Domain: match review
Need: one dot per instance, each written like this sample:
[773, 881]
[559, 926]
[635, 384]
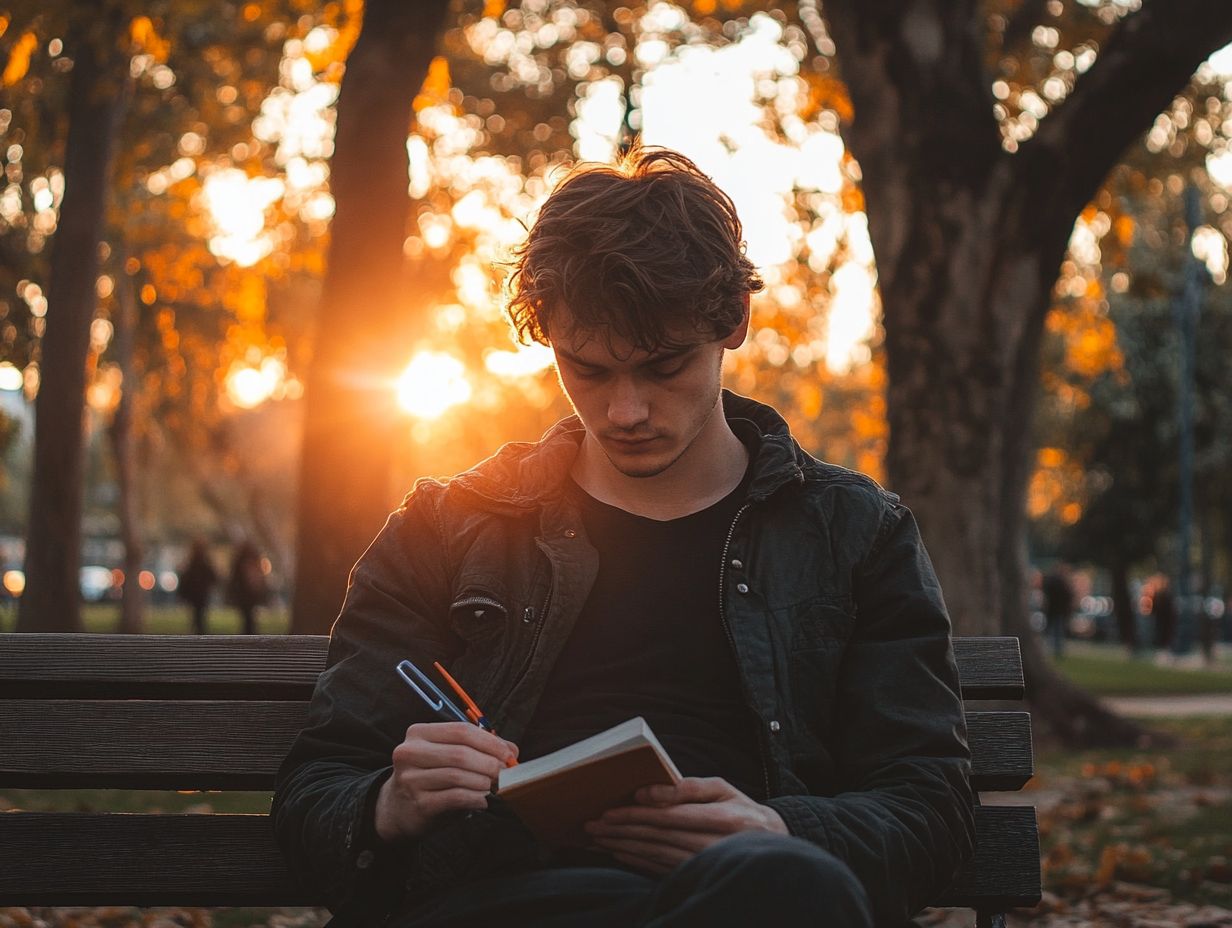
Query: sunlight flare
[432, 383]
[249, 386]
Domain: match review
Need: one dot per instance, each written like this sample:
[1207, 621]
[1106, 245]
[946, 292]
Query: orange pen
[473, 712]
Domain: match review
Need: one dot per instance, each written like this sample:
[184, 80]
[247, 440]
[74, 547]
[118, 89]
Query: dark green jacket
[832, 610]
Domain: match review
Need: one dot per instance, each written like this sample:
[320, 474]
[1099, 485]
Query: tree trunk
[367, 317]
[968, 240]
[51, 601]
[132, 600]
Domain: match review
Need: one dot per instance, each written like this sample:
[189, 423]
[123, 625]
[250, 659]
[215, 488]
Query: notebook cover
[555, 807]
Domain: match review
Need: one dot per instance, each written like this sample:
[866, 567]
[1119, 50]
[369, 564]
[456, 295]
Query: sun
[432, 383]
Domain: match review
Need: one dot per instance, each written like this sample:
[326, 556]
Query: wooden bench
[220, 712]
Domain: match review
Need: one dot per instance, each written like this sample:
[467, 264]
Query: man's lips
[631, 442]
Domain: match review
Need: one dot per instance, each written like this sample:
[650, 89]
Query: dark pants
[748, 879]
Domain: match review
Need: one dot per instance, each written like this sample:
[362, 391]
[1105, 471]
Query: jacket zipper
[731, 641]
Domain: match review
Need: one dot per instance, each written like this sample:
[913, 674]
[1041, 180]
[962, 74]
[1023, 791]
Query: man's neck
[711, 468]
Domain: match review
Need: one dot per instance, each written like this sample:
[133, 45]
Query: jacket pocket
[818, 624]
[477, 615]
[820, 630]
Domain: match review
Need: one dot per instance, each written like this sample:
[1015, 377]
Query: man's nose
[627, 406]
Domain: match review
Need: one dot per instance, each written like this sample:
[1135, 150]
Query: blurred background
[255, 249]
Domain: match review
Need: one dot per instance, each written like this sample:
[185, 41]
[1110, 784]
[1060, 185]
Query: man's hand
[669, 824]
[439, 767]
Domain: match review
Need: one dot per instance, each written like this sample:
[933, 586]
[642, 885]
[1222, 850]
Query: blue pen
[438, 702]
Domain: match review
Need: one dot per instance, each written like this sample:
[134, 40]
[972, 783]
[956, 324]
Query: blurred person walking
[1163, 611]
[247, 589]
[197, 579]
[1058, 588]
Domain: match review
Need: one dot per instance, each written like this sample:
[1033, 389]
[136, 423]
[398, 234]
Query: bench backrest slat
[160, 666]
[286, 666]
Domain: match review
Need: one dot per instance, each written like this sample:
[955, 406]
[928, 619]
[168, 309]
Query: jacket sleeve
[903, 821]
[325, 791]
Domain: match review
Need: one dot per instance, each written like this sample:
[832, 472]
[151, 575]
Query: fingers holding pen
[466, 734]
[439, 767]
[454, 745]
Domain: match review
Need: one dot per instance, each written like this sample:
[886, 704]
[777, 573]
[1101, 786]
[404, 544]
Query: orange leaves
[1088, 335]
[1094, 351]
[826, 93]
[808, 398]
[145, 38]
[250, 301]
[870, 422]
[328, 61]
[702, 8]
[853, 199]
[1092, 347]
[1125, 862]
[1135, 774]
[1051, 457]
[19, 59]
[1056, 486]
[435, 90]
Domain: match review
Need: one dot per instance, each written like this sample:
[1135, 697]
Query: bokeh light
[237, 204]
[248, 385]
[10, 376]
[431, 383]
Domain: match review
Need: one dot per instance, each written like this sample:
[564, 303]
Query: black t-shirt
[650, 641]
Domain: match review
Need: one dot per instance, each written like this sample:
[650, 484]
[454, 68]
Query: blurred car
[1094, 619]
[98, 584]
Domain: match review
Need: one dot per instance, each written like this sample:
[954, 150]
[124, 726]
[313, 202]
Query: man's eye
[670, 370]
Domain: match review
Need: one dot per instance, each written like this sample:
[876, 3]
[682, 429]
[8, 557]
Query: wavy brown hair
[635, 249]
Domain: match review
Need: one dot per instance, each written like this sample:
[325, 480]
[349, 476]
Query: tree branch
[1148, 59]
[915, 73]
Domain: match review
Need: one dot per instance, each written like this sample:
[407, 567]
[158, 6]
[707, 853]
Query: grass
[1108, 672]
[1154, 819]
[167, 619]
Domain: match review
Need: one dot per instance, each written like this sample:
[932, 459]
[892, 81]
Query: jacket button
[742, 587]
[570, 533]
[364, 860]
[737, 563]
[774, 726]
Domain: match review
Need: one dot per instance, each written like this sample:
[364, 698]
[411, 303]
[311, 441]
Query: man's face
[643, 409]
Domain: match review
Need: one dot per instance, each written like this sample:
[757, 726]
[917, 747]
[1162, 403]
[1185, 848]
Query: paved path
[1166, 706]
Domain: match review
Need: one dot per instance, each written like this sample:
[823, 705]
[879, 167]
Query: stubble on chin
[644, 470]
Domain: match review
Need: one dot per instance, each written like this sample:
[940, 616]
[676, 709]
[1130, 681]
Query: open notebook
[559, 792]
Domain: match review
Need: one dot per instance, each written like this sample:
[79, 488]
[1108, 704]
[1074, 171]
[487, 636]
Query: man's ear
[741, 331]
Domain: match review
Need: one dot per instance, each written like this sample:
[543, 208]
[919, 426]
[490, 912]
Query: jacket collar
[523, 475]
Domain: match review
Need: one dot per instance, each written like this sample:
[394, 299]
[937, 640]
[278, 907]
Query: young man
[668, 552]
